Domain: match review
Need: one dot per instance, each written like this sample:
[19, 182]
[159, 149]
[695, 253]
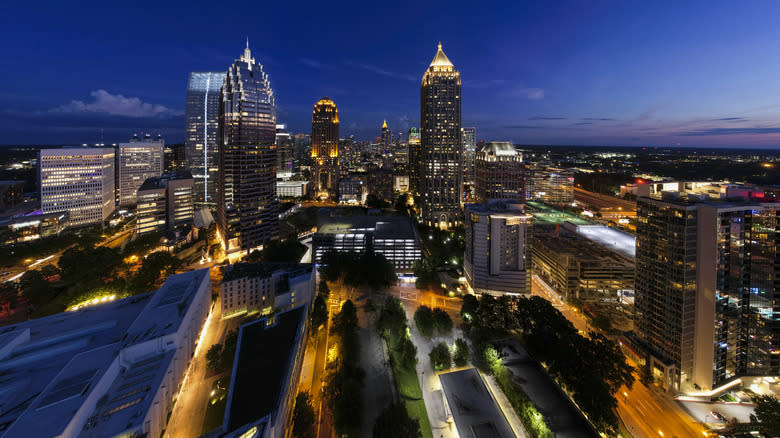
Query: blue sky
[579, 72]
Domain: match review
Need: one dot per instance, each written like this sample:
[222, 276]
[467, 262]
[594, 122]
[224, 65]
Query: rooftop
[50, 366]
[159, 182]
[264, 270]
[263, 365]
[475, 412]
[383, 227]
[440, 59]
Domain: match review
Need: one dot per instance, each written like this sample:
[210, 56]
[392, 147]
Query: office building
[352, 190]
[265, 287]
[175, 157]
[285, 146]
[106, 370]
[497, 260]
[551, 185]
[11, 194]
[201, 115]
[414, 160]
[165, 202]
[394, 237]
[291, 189]
[441, 150]
[577, 268]
[469, 139]
[137, 161]
[707, 290]
[499, 172]
[325, 147]
[79, 181]
[380, 182]
[20, 229]
[266, 370]
[247, 207]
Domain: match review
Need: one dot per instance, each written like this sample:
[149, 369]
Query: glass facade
[201, 113]
[247, 206]
[441, 152]
[499, 172]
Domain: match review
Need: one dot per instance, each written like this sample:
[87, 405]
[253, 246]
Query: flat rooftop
[474, 410]
[546, 215]
[264, 270]
[578, 246]
[264, 360]
[611, 238]
[50, 366]
[383, 227]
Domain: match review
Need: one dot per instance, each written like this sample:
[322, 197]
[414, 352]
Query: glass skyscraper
[325, 146]
[247, 207]
[441, 164]
[200, 142]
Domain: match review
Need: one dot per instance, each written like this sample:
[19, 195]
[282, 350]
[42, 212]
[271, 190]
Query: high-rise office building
[414, 160]
[551, 185]
[285, 144]
[165, 202]
[469, 138]
[201, 112]
[136, 161]
[247, 207]
[441, 165]
[707, 291]
[79, 181]
[499, 172]
[497, 259]
[325, 146]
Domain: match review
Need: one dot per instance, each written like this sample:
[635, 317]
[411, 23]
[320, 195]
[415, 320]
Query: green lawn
[409, 390]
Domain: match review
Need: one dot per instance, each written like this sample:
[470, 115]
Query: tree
[395, 422]
[462, 353]
[423, 318]
[407, 352]
[34, 287]
[323, 289]
[492, 360]
[442, 321]
[602, 322]
[469, 307]
[49, 270]
[319, 313]
[303, 417]
[373, 201]
[392, 318]
[768, 412]
[214, 357]
[440, 357]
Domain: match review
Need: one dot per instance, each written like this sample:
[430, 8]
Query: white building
[137, 161]
[265, 287]
[104, 371]
[498, 248]
[291, 189]
[79, 181]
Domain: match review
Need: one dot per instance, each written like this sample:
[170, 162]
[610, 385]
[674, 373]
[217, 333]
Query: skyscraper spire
[248, 54]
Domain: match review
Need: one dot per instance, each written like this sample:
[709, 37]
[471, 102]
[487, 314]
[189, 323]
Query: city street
[190, 410]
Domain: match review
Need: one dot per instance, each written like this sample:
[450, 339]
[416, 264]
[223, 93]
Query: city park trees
[356, 269]
[345, 381]
[590, 368]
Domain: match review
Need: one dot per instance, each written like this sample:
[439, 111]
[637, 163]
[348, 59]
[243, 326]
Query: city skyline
[619, 75]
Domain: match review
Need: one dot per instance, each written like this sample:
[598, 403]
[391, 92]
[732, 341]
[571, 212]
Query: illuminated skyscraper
[441, 165]
[284, 149]
[201, 113]
[137, 161]
[499, 172]
[79, 181]
[469, 137]
[247, 207]
[414, 160]
[707, 290]
[325, 146]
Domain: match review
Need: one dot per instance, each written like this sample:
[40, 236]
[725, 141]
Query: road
[646, 412]
[190, 410]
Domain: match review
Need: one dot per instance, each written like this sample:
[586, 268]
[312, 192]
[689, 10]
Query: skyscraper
[325, 147]
[499, 172]
[469, 137]
[247, 207]
[201, 113]
[284, 149]
[79, 181]
[707, 290]
[441, 165]
[137, 161]
[414, 160]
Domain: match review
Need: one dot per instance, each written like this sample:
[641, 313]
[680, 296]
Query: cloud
[315, 64]
[731, 131]
[729, 119]
[582, 123]
[546, 118]
[530, 93]
[117, 105]
[383, 72]
[522, 127]
[600, 119]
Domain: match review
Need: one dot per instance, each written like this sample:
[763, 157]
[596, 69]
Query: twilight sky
[554, 72]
